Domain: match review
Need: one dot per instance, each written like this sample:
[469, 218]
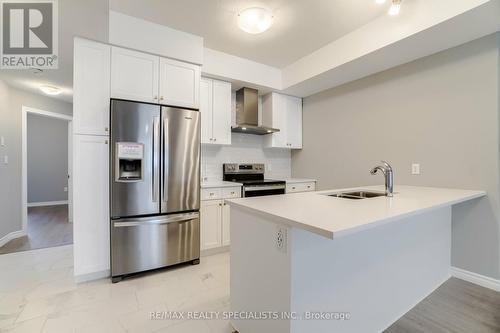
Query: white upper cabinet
[293, 115]
[148, 78]
[215, 108]
[179, 83]
[134, 75]
[284, 113]
[91, 86]
[206, 110]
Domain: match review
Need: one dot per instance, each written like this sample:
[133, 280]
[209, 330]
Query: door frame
[24, 158]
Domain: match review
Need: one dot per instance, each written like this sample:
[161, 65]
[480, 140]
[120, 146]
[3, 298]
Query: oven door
[262, 190]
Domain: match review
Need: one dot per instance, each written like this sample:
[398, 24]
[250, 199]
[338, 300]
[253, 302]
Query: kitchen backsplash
[244, 149]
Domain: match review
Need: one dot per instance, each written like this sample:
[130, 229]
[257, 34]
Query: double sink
[357, 195]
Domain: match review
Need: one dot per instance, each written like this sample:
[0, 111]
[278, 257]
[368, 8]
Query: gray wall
[442, 112]
[47, 163]
[11, 101]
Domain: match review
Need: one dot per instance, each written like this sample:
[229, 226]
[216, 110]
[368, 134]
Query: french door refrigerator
[154, 190]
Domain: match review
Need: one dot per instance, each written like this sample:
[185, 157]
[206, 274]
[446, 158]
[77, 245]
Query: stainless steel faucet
[386, 169]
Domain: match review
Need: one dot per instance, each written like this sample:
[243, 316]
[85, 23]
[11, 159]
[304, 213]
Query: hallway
[48, 226]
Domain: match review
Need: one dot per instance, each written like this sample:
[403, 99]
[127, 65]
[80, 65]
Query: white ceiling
[300, 26]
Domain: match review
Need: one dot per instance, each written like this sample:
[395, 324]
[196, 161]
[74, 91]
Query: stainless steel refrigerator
[155, 187]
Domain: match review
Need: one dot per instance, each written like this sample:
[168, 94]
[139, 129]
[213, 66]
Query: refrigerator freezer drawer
[147, 243]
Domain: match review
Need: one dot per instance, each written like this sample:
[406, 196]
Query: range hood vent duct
[247, 114]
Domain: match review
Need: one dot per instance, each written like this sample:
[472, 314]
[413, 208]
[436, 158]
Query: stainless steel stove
[252, 178]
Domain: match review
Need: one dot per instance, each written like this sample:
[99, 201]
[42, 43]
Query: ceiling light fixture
[395, 7]
[255, 20]
[50, 90]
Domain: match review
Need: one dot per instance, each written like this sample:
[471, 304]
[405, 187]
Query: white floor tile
[38, 295]
[192, 326]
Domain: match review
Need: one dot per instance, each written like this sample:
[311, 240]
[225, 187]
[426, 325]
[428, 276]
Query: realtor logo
[29, 34]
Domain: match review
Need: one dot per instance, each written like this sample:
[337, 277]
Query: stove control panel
[243, 168]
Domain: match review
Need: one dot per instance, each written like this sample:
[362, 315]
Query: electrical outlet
[415, 169]
[66, 189]
[281, 238]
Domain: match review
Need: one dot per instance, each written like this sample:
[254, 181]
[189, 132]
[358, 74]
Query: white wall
[11, 102]
[135, 33]
[441, 111]
[244, 148]
[47, 159]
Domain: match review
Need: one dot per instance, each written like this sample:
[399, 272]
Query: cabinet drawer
[231, 192]
[300, 187]
[211, 193]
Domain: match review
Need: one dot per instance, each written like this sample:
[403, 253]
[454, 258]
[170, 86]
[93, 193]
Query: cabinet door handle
[155, 98]
[161, 98]
[106, 129]
[105, 142]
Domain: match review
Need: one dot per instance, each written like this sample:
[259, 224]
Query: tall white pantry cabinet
[91, 85]
[102, 72]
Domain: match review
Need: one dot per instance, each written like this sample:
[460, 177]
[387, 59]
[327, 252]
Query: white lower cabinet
[215, 217]
[91, 204]
[211, 224]
[226, 217]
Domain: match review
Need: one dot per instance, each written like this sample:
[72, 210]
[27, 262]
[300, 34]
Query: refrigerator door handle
[156, 147]
[157, 221]
[165, 159]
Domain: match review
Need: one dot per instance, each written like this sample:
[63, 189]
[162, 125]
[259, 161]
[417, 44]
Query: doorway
[46, 181]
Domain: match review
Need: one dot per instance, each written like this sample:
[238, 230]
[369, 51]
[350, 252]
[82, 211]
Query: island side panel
[260, 272]
[376, 275]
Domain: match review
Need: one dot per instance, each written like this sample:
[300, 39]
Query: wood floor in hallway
[48, 226]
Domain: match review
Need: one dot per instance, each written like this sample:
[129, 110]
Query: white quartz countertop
[299, 180]
[220, 183]
[334, 217]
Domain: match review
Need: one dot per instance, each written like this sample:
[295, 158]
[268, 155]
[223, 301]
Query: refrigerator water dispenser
[129, 162]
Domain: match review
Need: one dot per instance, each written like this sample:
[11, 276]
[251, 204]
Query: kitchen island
[313, 262]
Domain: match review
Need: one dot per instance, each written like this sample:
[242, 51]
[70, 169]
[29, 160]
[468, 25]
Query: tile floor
[38, 294]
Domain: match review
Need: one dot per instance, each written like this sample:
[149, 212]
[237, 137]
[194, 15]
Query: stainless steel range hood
[247, 113]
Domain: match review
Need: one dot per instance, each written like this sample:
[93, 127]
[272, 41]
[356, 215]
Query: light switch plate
[415, 169]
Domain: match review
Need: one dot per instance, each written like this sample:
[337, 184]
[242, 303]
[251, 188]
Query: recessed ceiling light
[255, 20]
[50, 90]
[395, 8]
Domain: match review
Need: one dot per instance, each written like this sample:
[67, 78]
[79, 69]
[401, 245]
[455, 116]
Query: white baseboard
[480, 280]
[92, 276]
[47, 203]
[10, 236]
[217, 250]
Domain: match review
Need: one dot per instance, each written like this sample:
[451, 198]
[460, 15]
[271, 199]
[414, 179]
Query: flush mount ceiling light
[50, 90]
[255, 20]
[395, 6]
